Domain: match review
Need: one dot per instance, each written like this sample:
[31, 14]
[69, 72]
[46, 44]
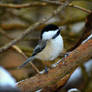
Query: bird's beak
[60, 28]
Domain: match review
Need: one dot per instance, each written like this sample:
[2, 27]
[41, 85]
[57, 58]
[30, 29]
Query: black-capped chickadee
[50, 45]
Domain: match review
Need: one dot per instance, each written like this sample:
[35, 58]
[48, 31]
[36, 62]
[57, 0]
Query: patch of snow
[6, 79]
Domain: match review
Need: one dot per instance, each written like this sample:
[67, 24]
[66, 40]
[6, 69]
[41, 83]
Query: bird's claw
[66, 54]
[44, 71]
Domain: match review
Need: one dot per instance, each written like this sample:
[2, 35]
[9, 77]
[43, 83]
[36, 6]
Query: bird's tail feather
[27, 61]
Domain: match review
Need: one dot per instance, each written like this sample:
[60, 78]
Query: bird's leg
[47, 65]
[46, 69]
[66, 55]
[62, 59]
[55, 64]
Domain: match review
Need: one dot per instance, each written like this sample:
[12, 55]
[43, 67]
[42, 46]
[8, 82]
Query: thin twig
[70, 5]
[44, 3]
[32, 27]
[80, 8]
[4, 33]
[27, 5]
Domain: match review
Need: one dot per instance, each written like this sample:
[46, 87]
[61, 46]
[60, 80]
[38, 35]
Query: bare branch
[53, 87]
[44, 3]
[78, 56]
[70, 5]
[80, 8]
[27, 5]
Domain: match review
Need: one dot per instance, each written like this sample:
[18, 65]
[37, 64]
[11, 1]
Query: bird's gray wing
[41, 45]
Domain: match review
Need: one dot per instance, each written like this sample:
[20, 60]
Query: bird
[49, 46]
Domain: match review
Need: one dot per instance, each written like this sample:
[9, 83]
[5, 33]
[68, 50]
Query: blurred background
[14, 21]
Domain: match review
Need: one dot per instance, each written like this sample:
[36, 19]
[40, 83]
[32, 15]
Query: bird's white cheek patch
[48, 35]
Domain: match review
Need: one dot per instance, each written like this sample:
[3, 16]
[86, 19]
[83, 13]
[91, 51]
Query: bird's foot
[44, 71]
[55, 64]
[66, 54]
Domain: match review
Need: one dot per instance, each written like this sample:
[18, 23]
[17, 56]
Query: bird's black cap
[49, 27]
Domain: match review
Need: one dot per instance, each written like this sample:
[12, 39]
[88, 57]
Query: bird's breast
[52, 50]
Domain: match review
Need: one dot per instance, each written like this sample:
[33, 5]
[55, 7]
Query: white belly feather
[52, 50]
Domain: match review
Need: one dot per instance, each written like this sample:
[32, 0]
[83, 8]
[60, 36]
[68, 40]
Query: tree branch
[80, 8]
[78, 56]
[32, 27]
[70, 5]
[53, 87]
[44, 3]
[27, 5]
